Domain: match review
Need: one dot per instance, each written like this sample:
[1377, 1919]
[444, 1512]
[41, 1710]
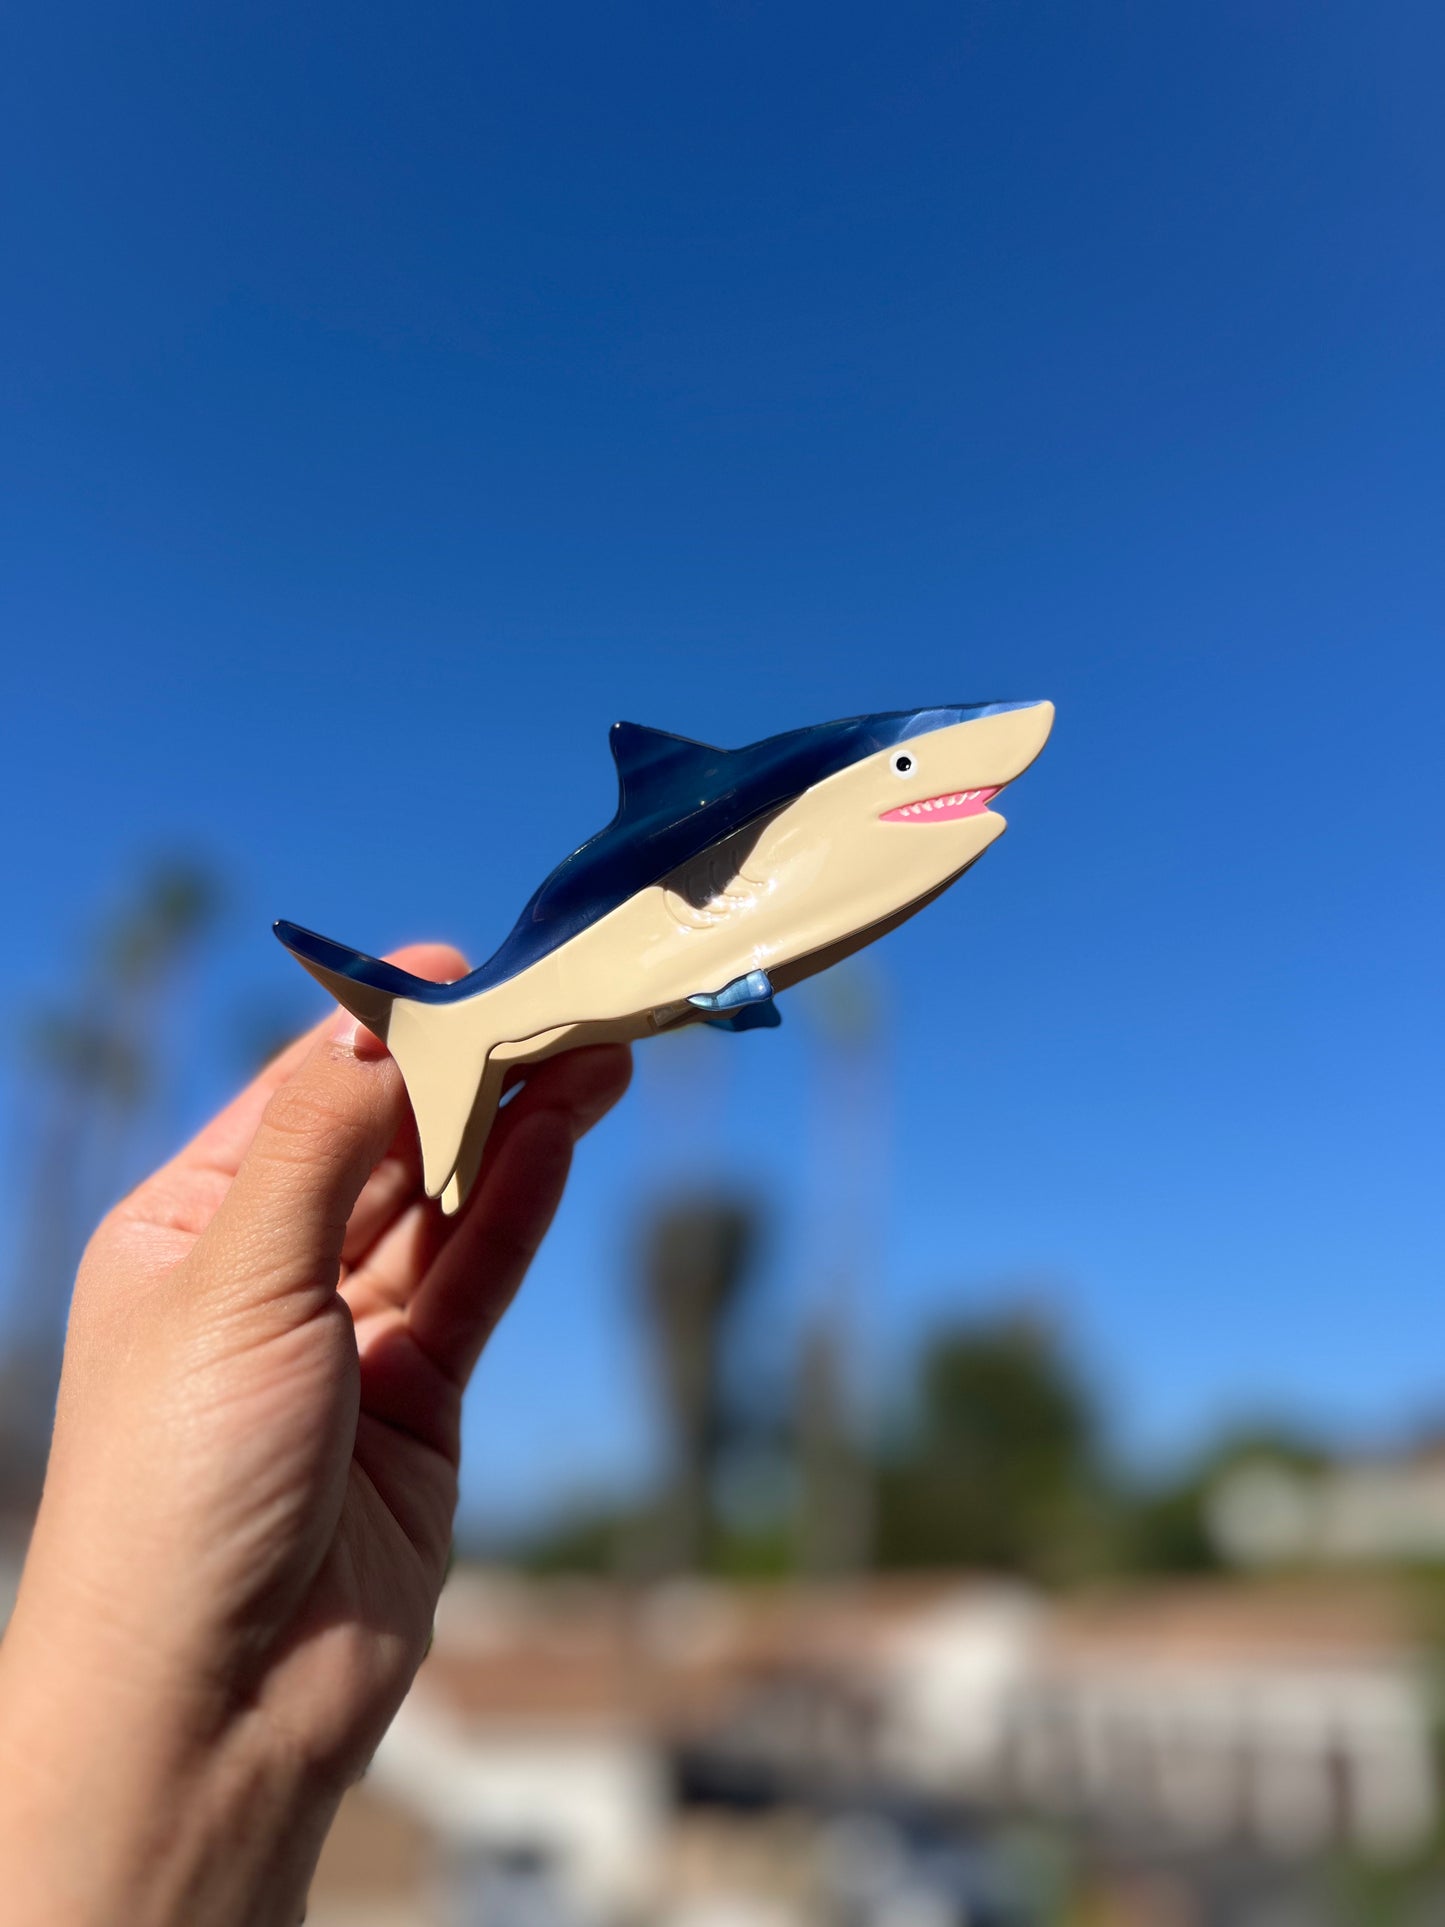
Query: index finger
[220, 1145]
[175, 1205]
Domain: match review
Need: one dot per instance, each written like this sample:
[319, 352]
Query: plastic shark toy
[725, 877]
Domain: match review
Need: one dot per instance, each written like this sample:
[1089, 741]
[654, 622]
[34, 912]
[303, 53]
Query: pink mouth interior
[943, 809]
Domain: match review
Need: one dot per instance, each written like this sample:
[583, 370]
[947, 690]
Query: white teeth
[940, 803]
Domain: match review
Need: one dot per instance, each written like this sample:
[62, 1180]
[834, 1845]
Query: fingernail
[351, 1034]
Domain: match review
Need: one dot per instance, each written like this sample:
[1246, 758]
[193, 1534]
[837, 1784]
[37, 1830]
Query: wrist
[113, 1815]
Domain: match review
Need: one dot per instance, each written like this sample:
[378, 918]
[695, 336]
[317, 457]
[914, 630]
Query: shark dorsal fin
[652, 764]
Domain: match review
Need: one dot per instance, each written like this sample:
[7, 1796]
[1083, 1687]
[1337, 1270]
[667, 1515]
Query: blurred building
[1360, 1511]
[1289, 1718]
[885, 1753]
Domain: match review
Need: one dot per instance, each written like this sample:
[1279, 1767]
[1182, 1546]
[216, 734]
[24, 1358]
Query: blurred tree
[1165, 1528]
[835, 1478]
[592, 1539]
[850, 1132]
[999, 1464]
[93, 1064]
[262, 1024]
[697, 1255]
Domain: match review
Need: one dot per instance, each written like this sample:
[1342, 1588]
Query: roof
[674, 1660]
[670, 1659]
[1293, 1621]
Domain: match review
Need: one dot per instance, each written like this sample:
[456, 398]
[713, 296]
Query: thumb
[278, 1234]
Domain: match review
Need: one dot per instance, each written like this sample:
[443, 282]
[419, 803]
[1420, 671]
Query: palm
[333, 1446]
[359, 1631]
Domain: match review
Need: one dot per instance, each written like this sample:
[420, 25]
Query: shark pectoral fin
[751, 1017]
[744, 1004]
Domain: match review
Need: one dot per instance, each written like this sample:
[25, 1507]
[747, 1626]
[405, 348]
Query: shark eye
[902, 763]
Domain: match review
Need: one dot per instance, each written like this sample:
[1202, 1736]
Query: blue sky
[392, 398]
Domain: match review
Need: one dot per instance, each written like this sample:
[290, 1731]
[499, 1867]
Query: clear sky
[394, 396]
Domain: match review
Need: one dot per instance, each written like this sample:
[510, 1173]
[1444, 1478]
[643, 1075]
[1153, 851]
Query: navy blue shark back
[676, 799]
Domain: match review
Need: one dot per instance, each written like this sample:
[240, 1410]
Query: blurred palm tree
[1001, 1461]
[698, 1253]
[93, 1066]
[850, 1130]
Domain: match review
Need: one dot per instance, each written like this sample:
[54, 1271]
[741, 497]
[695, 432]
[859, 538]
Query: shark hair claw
[725, 877]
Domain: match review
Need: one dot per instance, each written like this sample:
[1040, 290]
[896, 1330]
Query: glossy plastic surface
[675, 799]
[726, 876]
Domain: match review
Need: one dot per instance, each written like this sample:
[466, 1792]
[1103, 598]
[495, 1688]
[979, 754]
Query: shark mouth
[943, 809]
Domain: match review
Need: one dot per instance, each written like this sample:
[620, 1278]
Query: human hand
[248, 1509]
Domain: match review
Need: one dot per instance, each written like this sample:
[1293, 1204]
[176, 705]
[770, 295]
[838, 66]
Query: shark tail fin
[444, 1050]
